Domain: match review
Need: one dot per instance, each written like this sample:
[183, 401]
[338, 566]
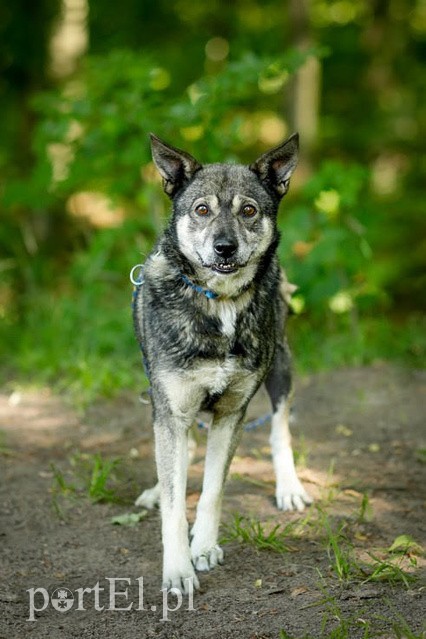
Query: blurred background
[84, 81]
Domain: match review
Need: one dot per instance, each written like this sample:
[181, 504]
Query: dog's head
[224, 215]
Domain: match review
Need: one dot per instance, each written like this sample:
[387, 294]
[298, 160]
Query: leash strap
[251, 425]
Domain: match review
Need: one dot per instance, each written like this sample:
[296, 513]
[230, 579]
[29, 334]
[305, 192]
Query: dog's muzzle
[225, 267]
[225, 249]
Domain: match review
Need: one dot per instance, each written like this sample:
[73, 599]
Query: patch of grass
[60, 488]
[93, 477]
[100, 475]
[335, 624]
[385, 570]
[393, 565]
[365, 513]
[252, 532]
[60, 484]
[403, 631]
[57, 507]
[397, 563]
[339, 549]
[340, 552]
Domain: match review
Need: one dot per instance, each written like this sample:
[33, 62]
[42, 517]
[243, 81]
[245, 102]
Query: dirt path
[358, 432]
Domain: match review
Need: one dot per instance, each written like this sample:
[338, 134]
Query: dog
[210, 319]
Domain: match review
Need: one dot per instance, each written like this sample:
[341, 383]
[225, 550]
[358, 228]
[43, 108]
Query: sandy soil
[358, 431]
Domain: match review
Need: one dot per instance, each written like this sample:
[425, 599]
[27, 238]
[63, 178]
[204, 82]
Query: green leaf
[405, 544]
[129, 519]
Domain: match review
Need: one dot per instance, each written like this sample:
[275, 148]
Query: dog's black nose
[225, 247]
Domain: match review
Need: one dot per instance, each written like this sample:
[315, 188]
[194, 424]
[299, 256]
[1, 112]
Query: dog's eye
[249, 210]
[202, 209]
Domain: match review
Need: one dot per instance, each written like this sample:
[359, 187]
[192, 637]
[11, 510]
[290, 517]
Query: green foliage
[325, 246]
[71, 317]
[80, 335]
[355, 256]
[103, 122]
[343, 342]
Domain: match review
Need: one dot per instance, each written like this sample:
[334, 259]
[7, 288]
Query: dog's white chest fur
[227, 312]
[183, 389]
[218, 377]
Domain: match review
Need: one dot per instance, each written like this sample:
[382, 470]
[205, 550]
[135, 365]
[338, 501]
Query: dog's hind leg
[223, 438]
[150, 497]
[290, 493]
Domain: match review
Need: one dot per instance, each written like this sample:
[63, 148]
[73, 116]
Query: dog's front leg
[222, 441]
[171, 450]
[150, 497]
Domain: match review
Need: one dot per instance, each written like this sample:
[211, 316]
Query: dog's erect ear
[175, 166]
[276, 166]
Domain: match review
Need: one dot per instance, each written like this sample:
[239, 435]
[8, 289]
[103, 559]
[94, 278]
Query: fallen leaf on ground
[129, 519]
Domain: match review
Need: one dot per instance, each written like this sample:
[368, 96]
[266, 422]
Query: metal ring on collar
[138, 270]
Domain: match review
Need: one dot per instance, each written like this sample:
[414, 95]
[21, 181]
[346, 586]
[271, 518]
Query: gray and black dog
[210, 320]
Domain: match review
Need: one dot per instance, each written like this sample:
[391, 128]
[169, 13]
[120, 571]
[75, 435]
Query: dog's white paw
[150, 498]
[207, 559]
[293, 497]
[184, 580]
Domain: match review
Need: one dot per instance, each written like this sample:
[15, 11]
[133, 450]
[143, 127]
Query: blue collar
[137, 279]
[211, 295]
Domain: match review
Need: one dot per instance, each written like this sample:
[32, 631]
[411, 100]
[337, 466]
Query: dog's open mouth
[225, 267]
